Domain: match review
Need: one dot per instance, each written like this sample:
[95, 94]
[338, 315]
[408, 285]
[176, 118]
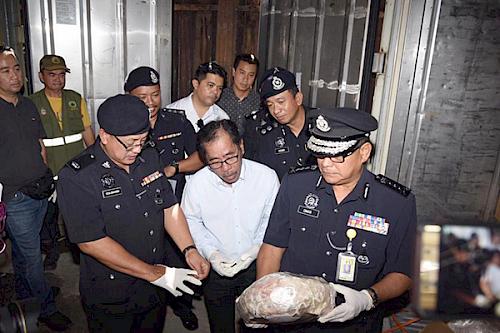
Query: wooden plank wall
[205, 30]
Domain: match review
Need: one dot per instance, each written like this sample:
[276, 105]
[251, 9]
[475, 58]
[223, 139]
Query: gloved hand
[482, 301]
[221, 264]
[245, 260]
[53, 197]
[355, 302]
[174, 279]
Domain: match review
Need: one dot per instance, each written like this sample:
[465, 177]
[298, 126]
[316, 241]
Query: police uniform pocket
[112, 288]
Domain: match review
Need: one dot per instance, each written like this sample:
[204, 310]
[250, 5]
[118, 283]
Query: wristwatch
[373, 295]
[187, 248]
[175, 164]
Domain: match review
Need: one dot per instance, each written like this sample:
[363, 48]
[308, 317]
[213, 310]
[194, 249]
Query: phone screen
[458, 270]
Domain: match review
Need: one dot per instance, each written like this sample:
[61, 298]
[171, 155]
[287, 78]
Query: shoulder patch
[401, 189]
[303, 168]
[81, 162]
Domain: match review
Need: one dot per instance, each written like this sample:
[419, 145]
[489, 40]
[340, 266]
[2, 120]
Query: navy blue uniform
[174, 137]
[306, 211]
[99, 199]
[278, 148]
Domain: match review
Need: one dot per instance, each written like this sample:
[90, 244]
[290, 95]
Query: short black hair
[246, 57]
[210, 67]
[211, 131]
[7, 50]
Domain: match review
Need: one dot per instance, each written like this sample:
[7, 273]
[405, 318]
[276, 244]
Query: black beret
[335, 130]
[275, 81]
[123, 115]
[141, 76]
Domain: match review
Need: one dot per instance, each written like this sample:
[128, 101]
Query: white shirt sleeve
[266, 212]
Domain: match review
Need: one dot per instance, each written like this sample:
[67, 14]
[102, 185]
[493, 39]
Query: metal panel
[102, 41]
[322, 41]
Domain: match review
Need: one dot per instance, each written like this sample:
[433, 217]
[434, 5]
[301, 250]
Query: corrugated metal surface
[322, 41]
[456, 169]
[102, 41]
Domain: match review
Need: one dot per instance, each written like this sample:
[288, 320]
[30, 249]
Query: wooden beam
[226, 33]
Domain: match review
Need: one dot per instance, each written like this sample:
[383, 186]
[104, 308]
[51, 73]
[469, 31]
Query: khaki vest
[72, 123]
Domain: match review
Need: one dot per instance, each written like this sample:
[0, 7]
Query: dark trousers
[174, 258]
[148, 321]
[50, 231]
[220, 295]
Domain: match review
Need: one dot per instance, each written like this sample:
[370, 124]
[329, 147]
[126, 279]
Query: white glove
[53, 197]
[355, 302]
[482, 301]
[221, 264]
[174, 279]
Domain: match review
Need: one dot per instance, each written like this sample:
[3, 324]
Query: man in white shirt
[227, 205]
[209, 80]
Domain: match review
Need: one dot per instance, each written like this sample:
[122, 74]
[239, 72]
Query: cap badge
[311, 201]
[154, 78]
[55, 60]
[322, 124]
[277, 83]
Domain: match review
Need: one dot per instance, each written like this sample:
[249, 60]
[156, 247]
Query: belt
[62, 140]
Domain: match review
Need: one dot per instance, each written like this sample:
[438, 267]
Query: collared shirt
[99, 199]
[229, 218]
[238, 109]
[215, 112]
[308, 222]
[20, 158]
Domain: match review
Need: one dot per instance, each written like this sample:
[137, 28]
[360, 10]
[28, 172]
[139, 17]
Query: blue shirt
[230, 218]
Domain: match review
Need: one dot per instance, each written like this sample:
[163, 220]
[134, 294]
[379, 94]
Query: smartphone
[457, 273]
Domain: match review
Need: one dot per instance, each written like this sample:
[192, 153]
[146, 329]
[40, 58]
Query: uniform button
[131, 179]
[154, 249]
[146, 214]
[328, 253]
[297, 145]
[323, 275]
[151, 232]
[303, 229]
[283, 162]
[117, 206]
[335, 210]
[111, 276]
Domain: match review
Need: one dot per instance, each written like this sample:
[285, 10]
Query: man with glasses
[117, 205]
[340, 222]
[208, 81]
[227, 205]
[22, 156]
[67, 123]
[280, 140]
[174, 138]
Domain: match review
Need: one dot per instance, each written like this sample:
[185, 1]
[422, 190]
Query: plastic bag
[285, 298]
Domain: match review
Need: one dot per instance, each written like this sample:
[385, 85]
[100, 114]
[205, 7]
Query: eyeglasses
[133, 146]
[229, 161]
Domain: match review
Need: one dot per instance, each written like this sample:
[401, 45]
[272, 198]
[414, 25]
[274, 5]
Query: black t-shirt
[20, 158]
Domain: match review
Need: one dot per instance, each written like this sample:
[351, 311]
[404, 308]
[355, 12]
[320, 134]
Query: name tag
[283, 150]
[112, 192]
[311, 212]
[369, 223]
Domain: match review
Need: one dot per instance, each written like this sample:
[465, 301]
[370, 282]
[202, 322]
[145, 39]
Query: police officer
[117, 205]
[174, 138]
[340, 222]
[281, 141]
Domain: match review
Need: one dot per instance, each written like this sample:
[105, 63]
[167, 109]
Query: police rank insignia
[369, 223]
[309, 208]
[154, 78]
[106, 165]
[107, 180]
[277, 83]
[151, 178]
[322, 124]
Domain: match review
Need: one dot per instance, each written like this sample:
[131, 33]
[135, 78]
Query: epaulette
[298, 169]
[174, 111]
[81, 162]
[401, 189]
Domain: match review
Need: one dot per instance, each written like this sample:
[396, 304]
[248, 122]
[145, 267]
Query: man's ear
[299, 98]
[104, 136]
[365, 150]
[195, 83]
[242, 147]
[40, 77]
